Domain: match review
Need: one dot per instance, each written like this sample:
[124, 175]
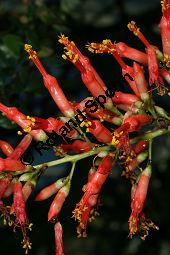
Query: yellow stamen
[30, 51]
[132, 27]
[165, 5]
[106, 41]
[64, 56]
[86, 124]
[167, 61]
[91, 49]
[62, 39]
[115, 141]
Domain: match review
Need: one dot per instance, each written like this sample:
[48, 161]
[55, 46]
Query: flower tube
[165, 30]
[52, 85]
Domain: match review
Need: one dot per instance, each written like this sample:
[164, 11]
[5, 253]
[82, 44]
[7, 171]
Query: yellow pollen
[86, 124]
[106, 41]
[28, 47]
[132, 27]
[167, 61]
[26, 245]
[72, 43]
[30, 51]
[91, 49]
[64, 56]
[115, 141]
[19, 133]
[75, 58]
[63, 39]
[165, 5]
[27, 130]
[69, 53]
[30, 226]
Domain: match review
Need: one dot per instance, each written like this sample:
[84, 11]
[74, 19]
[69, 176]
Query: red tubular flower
[59, 239]
[92, 85]
[20, 213]
[134, 162]
[128, 108]
[124, 98]
[27, 190]
[141, 82]
[6, 148]
[128, 70]
[88, 74]
[136, 31]
[57, 94]
[154, 77]
[141, 145]
[11, 165]
[52, 124]
[128, 52]
[50, 190]
[19, 205]
[49, 124]
[78, 146]
[120, 139]
[21, 147]
[4, 183]
[52, 85]
[107, 47]
[100, 113]
[101, 133]
[105, 115]
[15, 115]
[9, 190]
[165, 74]
[133, 123]
[138, 199]
[90, 176]
[58, 202]
[27, 123]
[80, 61]
[38, 135]
[151, 51]
[137, 121]
[165, 30]
[84, 210]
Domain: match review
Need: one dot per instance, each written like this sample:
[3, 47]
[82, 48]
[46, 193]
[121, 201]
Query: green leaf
[6, 123]
[13, 43]
[68, 6]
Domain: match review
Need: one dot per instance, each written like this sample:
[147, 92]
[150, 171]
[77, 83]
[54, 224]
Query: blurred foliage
[38, 23]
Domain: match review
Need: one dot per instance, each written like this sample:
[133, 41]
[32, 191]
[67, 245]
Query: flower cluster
[113, 127]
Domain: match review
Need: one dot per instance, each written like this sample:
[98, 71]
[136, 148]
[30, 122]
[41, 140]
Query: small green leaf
[13, 43]
[6, 123]
[68, 6]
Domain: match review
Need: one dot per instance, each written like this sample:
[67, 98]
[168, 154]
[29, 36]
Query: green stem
[72, 170]
[70, 158]
[150, 151]
[150, 135]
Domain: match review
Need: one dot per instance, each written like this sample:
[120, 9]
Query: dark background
[39, 23]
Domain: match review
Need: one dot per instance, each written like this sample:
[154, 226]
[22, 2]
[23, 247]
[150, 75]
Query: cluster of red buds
[113, 127]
